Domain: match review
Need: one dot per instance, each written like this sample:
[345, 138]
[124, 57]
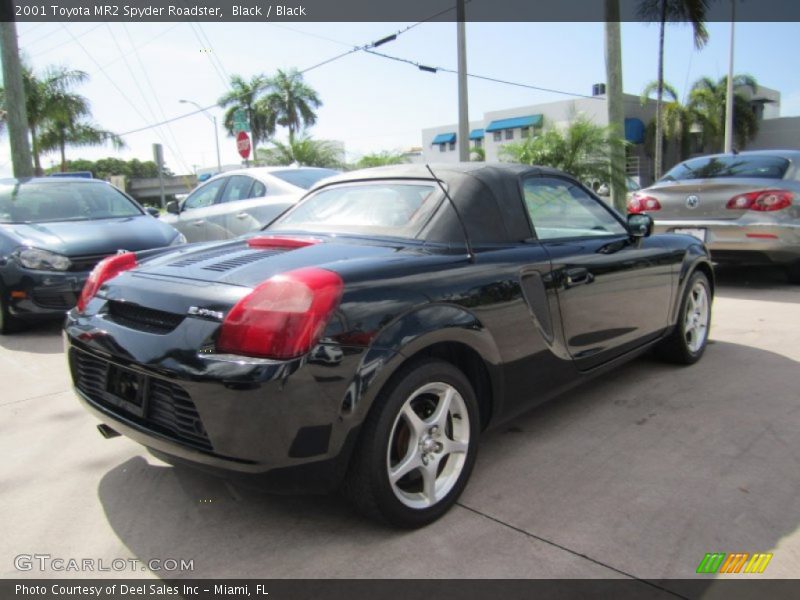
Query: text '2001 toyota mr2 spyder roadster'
[367, 337]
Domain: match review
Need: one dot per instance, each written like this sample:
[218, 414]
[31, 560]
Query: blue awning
[444, 138]
[529, 121]
[476, 134]
[634, 131]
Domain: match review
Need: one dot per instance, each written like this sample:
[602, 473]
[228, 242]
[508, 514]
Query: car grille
[55, 300]
[168, 408]
[81, 264]
[141, 318]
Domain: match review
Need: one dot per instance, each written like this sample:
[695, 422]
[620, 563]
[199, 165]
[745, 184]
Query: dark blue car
[52, 234]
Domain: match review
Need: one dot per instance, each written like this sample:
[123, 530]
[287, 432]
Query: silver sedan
[237, 202]
[745, 207]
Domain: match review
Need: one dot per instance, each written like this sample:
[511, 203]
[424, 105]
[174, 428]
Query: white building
[500, 127]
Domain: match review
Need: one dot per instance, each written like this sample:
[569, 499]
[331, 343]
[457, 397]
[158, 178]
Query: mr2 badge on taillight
[283, 317]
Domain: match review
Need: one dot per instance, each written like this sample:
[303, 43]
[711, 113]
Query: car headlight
[179, 239]
[36, 258]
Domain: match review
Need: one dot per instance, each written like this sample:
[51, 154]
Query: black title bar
[131, 11]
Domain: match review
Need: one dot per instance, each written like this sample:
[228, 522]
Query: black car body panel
[525, 320]
[49, 293]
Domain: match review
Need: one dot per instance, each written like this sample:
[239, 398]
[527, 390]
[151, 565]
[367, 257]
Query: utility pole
[463, 105]
[616, 111]
[729, 91]
[16, 113]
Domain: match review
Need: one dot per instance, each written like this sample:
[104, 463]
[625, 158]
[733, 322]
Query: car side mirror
[640, 225]
[153, 212]
[173, 207]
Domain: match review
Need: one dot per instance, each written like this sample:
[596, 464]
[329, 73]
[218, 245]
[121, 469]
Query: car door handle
[242, 215]
[197, 223]
[577, 276]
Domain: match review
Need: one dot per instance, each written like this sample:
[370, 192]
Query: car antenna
[470, 251]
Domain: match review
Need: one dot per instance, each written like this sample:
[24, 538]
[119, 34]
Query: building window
[497, 136]
[478, 143]
[509, 134]
[452, 145]
[442, 147]
[525, 132]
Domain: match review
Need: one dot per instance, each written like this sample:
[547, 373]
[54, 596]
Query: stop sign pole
[243, 142]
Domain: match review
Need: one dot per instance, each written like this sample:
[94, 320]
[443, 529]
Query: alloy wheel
[428, 445]
[695, 323]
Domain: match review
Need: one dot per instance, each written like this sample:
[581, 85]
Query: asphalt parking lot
[637, 474]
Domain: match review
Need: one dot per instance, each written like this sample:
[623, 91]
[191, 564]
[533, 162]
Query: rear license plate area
[125, 389]
[695, 232]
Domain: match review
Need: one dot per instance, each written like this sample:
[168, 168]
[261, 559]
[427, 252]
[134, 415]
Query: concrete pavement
[637, 474]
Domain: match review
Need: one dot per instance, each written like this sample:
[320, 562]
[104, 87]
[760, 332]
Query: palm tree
[676, 118]
[707, 100]
[250, 97]
[48, 98]
[380, 159]
[583, 149]
[293, 101]
[303, 151]
[76, 131]
[687, 11]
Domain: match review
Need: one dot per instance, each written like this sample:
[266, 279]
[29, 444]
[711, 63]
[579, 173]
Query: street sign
[240, 120]
[243, 144]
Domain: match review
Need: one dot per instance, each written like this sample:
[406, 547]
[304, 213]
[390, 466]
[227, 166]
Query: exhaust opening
[107, 432]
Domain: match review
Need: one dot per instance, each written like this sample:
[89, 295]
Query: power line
[225, 81]
[302, 71]
[50, 49]
[145, 100]
[149, 82]
[116, 86]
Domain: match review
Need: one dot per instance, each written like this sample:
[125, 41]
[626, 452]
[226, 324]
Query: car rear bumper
[736, 242]
[282, 424]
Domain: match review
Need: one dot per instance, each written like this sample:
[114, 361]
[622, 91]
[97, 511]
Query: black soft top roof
[488, 196]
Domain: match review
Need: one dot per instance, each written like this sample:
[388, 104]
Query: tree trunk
[62, 146]
[616, 111]
[658, 160]
[37, 165]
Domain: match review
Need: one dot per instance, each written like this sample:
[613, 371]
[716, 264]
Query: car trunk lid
[702, 198]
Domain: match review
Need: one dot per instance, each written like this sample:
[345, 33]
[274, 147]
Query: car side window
[237, 188]
[560, 209]
[204, 196]
[258, 190]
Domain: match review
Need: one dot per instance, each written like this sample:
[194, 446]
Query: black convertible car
[368, 337]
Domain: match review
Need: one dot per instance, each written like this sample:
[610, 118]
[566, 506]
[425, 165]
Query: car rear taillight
[640, 203]
[283, 317]
[106, 269]
[764, 200]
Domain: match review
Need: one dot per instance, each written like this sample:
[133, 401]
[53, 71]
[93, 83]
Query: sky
[140, 71]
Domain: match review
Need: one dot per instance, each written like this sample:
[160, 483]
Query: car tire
[687, 342]
[793, 272]
[417, 446]
[8, 324]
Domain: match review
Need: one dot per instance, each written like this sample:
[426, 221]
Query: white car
[237, 202]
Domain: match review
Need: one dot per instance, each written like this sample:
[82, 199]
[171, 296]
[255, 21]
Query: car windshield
[385, 209]
[303, 178]
[40, 202]
[759, 167]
